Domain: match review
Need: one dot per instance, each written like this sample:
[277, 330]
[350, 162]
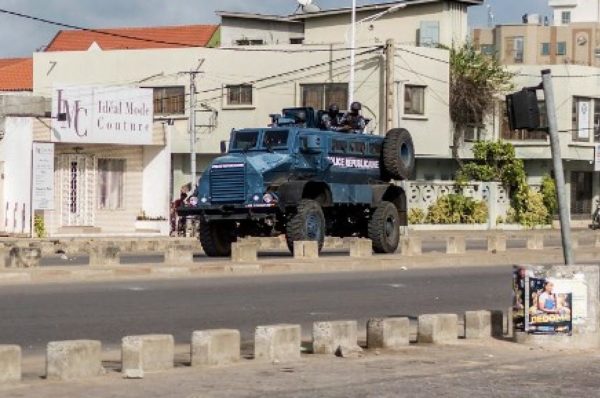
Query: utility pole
[390, 89]
[192, 122]
[352, 55]
[565, 225]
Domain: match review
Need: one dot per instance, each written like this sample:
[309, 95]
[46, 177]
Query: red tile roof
[16, 74]
[134, 38]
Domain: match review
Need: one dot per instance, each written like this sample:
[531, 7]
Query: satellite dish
[311, 8]
[305, 3]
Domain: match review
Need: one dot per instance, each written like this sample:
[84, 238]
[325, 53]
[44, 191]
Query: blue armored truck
[297, 179]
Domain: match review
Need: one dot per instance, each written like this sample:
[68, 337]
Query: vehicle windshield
[244, 140]
[276, 139]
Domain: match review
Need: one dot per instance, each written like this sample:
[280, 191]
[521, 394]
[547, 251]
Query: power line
[170, 43]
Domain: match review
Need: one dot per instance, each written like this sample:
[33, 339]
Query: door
[581, 194]
[77, 182]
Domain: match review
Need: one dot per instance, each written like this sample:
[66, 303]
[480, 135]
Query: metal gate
[77, 184]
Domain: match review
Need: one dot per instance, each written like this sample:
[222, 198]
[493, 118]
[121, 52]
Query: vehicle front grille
[228, 184]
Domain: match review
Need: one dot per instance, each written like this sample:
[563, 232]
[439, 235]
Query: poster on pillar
[42, 192]
[102, 115]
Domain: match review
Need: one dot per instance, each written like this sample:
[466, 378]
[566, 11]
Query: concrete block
[456, 245]
[361, 248]
[535, 242]
[179, 254]
[104, 255]
[329, 336]
[75, 359]
[277, 343]
[388, 333]
[10, 363]
[147, 353]
[438, 328]
[244, 252]
[24, 257]
[306, 250]
[478, 324]
[411, 246]
[215, 347]
[597, 241]
[333, 242]
[496, 243]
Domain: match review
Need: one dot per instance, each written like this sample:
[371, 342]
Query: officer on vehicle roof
[353, 121]
[331, 120]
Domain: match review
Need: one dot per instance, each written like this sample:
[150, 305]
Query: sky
[20, 37]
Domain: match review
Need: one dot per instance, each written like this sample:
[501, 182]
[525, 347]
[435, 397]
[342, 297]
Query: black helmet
[334, 108]
[301, 116]
[355, 106]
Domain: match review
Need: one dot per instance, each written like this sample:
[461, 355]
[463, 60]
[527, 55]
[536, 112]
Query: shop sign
[583, 118]
[102, 115]
[43, 176]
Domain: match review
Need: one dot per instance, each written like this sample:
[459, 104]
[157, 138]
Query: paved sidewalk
[465, 369]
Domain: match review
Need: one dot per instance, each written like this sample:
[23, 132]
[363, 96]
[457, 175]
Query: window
[320, 96]
[524, 135]
[297, 40]
[249, 42]
[239, 94]
[244, 140]
[561, 48]
[581, 118]
[358, 147]
[565, 17]
[169, 100]
[514, 49]
[545, 49]
[110, 183]
[488, 49]
[275, 139]
[414, 100]
[597, 120]
[374, 148]
[339, 146]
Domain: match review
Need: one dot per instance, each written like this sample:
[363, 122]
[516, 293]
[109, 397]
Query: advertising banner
[102, 115]
[583, 118]
[43, 176]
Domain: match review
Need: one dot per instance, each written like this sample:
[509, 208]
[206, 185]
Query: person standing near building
[331, 120]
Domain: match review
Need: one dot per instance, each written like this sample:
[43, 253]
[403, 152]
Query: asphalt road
[33, 315]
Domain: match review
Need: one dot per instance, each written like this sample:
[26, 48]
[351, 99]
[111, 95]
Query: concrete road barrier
[535, 242]
[10, 364]
[456, 245]
[75, 359]
[147, 353]
[242, 252]
[179, 254]
[361, 248]
[478, 324]
[277, 343]
[597, 241]
[329, 336]
[411, 246]
[496, 243]
[388, 333]
[215, 347]
[24, 257]
[304, 250]
[104, 255]
[438, 328]
[334, 242]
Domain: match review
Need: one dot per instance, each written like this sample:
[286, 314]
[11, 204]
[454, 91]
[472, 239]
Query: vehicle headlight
[256, 198]
[194, 201]
[204, 200]
[268, 198]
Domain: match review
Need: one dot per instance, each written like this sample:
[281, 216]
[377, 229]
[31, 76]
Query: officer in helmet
[331, 120]
[353, 121]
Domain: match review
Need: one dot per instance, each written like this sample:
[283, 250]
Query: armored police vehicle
[305, 182]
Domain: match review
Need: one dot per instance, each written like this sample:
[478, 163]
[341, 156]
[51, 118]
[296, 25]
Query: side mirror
[224, 146]
[312, 144]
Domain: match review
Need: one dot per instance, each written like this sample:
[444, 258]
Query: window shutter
[429, 35]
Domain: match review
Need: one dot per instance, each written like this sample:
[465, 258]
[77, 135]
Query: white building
[575, 11]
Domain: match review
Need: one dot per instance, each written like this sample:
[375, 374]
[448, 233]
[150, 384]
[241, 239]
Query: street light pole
[352, 55]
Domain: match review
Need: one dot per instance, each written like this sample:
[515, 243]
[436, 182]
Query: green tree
[475, 81]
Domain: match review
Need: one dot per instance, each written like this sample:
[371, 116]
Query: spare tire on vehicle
[398, 155]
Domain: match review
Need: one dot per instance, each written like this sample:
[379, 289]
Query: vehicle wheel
[216, 238]
[384, 228]
[398, 155]
[307, 224]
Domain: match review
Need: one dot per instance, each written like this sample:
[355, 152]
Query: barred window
[414, 100]
[169, 100]
[321, 95]
[240, 94]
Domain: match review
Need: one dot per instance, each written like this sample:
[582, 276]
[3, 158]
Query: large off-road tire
[307, 224]
[216, 238]
[384, 228]
[398, 155]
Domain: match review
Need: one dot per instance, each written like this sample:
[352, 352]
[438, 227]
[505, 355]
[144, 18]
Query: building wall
[270, 32]
[581, 10]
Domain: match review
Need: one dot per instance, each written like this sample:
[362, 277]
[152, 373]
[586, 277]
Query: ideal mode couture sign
[102, 115]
